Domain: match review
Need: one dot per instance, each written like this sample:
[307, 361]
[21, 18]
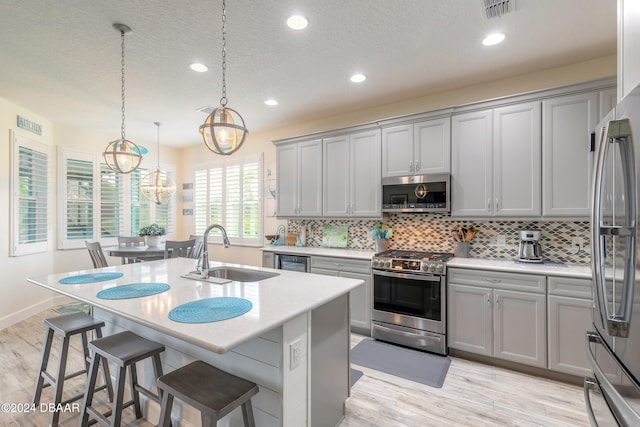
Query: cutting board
[334, 236]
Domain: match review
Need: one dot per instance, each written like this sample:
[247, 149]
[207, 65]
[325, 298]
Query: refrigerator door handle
[623, 409]
[598, 253]
[617, 323]
[591, 385]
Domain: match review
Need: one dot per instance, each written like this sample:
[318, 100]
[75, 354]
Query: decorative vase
[152, 241]
[381, 245]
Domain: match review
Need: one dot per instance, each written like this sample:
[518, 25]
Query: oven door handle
[423, 277]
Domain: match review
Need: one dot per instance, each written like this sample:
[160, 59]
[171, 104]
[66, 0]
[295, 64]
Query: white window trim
[15, 247]
[231, 161]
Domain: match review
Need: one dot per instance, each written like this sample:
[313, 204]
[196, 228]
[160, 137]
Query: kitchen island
[294, 342]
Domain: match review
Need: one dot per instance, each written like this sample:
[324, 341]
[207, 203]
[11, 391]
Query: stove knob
[440, 268]
[424, 266]
[432, 268]
[387, 264]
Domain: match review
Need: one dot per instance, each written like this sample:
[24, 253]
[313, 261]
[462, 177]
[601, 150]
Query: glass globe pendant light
[122, 155]
[157, 186]
[224, 130]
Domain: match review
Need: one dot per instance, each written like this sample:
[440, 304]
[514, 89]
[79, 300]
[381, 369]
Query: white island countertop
[275, 300]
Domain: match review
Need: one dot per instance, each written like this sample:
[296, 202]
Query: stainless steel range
[409, 299]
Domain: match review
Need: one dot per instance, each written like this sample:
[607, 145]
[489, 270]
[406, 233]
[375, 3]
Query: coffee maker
[530, 249]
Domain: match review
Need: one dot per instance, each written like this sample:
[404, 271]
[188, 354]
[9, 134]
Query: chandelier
[224, 130]
[157, 186]
[122, 155]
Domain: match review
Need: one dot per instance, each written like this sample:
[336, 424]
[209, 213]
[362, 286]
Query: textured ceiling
[61, 59]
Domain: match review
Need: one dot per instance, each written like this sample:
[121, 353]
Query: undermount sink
[229, 274]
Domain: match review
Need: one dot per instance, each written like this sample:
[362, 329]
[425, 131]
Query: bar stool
[213, 392]
[66, 326]
[123, 349]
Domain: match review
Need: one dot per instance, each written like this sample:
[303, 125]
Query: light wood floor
[473, 394]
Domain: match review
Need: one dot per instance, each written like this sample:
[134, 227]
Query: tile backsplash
[433, 232]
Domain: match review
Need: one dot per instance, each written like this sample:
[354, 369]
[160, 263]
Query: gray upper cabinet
[299, 183]
[417, 148]
[566, 158]
[351, 175]
[495, 167]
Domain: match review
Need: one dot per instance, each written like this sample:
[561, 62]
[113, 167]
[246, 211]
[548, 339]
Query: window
[144, 212]
[99, 204]
[228, 193]
[29, 185]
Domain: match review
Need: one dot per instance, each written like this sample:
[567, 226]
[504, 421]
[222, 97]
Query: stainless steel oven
[409, 299]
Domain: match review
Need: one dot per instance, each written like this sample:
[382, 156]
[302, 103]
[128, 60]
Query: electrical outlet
[501, 241]
[577, 244]
[294, 355]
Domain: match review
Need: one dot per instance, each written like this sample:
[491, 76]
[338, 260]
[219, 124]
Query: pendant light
[224, 130]
[157, 186]
[122, 155]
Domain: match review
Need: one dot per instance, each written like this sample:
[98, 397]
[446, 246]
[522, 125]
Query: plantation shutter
[79, 189]
[30, 182]
[229, 193]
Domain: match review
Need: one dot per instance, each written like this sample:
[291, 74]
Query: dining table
[142, 253]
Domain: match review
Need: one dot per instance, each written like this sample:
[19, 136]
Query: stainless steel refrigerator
[612, 395]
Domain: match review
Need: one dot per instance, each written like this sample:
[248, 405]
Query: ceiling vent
[497, 8]
[206, 109]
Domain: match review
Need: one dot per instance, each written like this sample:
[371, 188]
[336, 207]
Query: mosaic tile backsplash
[432, 232]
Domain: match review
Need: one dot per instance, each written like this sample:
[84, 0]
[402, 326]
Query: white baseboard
[36, 308]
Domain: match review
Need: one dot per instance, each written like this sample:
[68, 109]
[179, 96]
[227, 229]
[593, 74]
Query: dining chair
[196, 251]
[97, 256]
[130, 241]
[178, 248]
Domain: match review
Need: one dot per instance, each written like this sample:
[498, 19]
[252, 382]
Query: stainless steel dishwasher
[293, 262]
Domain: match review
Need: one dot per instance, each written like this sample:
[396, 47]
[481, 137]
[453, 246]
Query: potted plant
[152, 234]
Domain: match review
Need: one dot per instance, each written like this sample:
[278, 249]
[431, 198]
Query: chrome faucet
[203, 264]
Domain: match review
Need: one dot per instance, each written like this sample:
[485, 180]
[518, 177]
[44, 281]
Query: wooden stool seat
[66, 326]
[124, 349]
[213, 392]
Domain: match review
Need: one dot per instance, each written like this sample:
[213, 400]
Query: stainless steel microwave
[417, 193]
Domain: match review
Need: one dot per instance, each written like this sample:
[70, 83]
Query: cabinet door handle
[497, 302]
[489, 300]
[417, 165]
[337, 264]
[488, 205]
[410, 165]
[493, 280]
[497, 203]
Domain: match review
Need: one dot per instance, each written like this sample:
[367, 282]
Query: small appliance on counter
[530, 249]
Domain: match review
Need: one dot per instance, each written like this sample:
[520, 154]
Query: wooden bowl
[271, 237]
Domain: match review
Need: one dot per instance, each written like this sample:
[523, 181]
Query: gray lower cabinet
[569, 318]
[361, 300]
[496, 314]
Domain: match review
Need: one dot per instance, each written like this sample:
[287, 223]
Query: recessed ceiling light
[297, 22]
[201, 68]
[492, 39]
[271, 102]
[358, 78]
